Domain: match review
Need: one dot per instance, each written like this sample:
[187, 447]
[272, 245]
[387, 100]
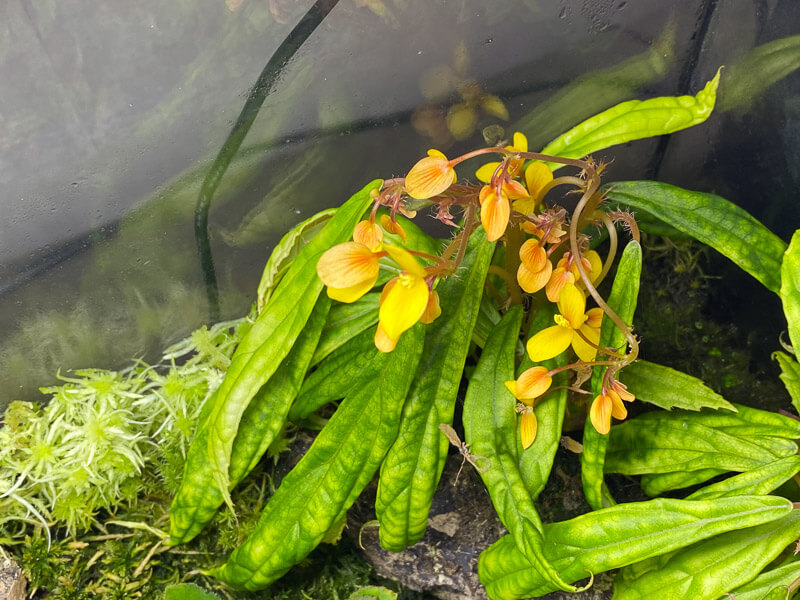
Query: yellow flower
[605, 406]
[535, 268]
[349, 271]
[571, 323]
[393, 227]
[519, 144]
[531, 384]
[537, 175]
[528, 427]
[430, 176]
[404, 300]
[495, 212]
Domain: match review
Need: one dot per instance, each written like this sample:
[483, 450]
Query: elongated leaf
[790, 375]
[769, 582]
[655, 484]
[414, 464]
[536, 462]
[622, 300]
[338, 374]
[779, 447]
[761, 480]
[746, 421]
[490, 427]
[712, 567]
[613, 537]
[633, 120]
[318, 491]
[346, 321]
[256, 359]
[790, 290]
[667, 388]
[712, 220]
[664, 445]
[286, 251]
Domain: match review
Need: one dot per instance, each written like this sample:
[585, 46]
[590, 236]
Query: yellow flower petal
[382, 341]
[527, 428]
[594, 317]
[533, 255]
[572, 305]
[393, 227]
[532, 383]
[495, 211]
[512, 387]
[622, 391]
[406, 260]
[352, 293]
[484, 174]
[525, 206]
[429, 177]
[346, 265]
[537, 175]
[549, 342]
[558, 280]
[432, 309]
[520, 142]
[586, 352]
[596, 264]
[600, 414]
[369, 234]
[530, 281]
[514, 190]
[403, 305]
[618, 410]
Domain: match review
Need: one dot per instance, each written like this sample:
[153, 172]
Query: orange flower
[519, 144]
[529, 386]
[571, 325]
[393, 227]
[605, 406]
[535, 268]
[537, 175]
[495, 212]
[349, 271]
[430, 176]
[369, 234]
[528, 427]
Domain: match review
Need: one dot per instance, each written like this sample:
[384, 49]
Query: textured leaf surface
[712, 220]
[256, 359]
[490, 427]
[330, 476]
[613, 537]
[655, 484]
[712, 567]
[633, 120]
[667, 444]
[667, 388]
[790, 375]
[762, 480]
[773, 581]
[622, 300]
[790, 290]
[414, 464]
[346, 321]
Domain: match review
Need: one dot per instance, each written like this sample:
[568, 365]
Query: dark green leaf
[711, 220]
[346, 321]
[655, 484]
[667, 388]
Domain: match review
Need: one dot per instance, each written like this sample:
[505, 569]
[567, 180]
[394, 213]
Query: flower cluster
[545, 251]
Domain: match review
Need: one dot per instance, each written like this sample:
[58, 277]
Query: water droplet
[563, 13]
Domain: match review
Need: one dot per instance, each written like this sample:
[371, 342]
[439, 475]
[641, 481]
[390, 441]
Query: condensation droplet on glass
[563, 13]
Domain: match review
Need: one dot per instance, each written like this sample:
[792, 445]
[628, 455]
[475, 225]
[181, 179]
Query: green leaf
[490, 427]
[346, 321]
[769, 584]
[188, 591]
[712, 567]
[318, 491]
[752, 75]
[790, 375]
[622, 300]
[761, 480]
[667, 388]
[745, 421]
[613, 537]
[633, 120]
[655, 484]
[709, 219]
[790, 289]
[414, 464]
[664, 445]
[286, 251]
[256, 359]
